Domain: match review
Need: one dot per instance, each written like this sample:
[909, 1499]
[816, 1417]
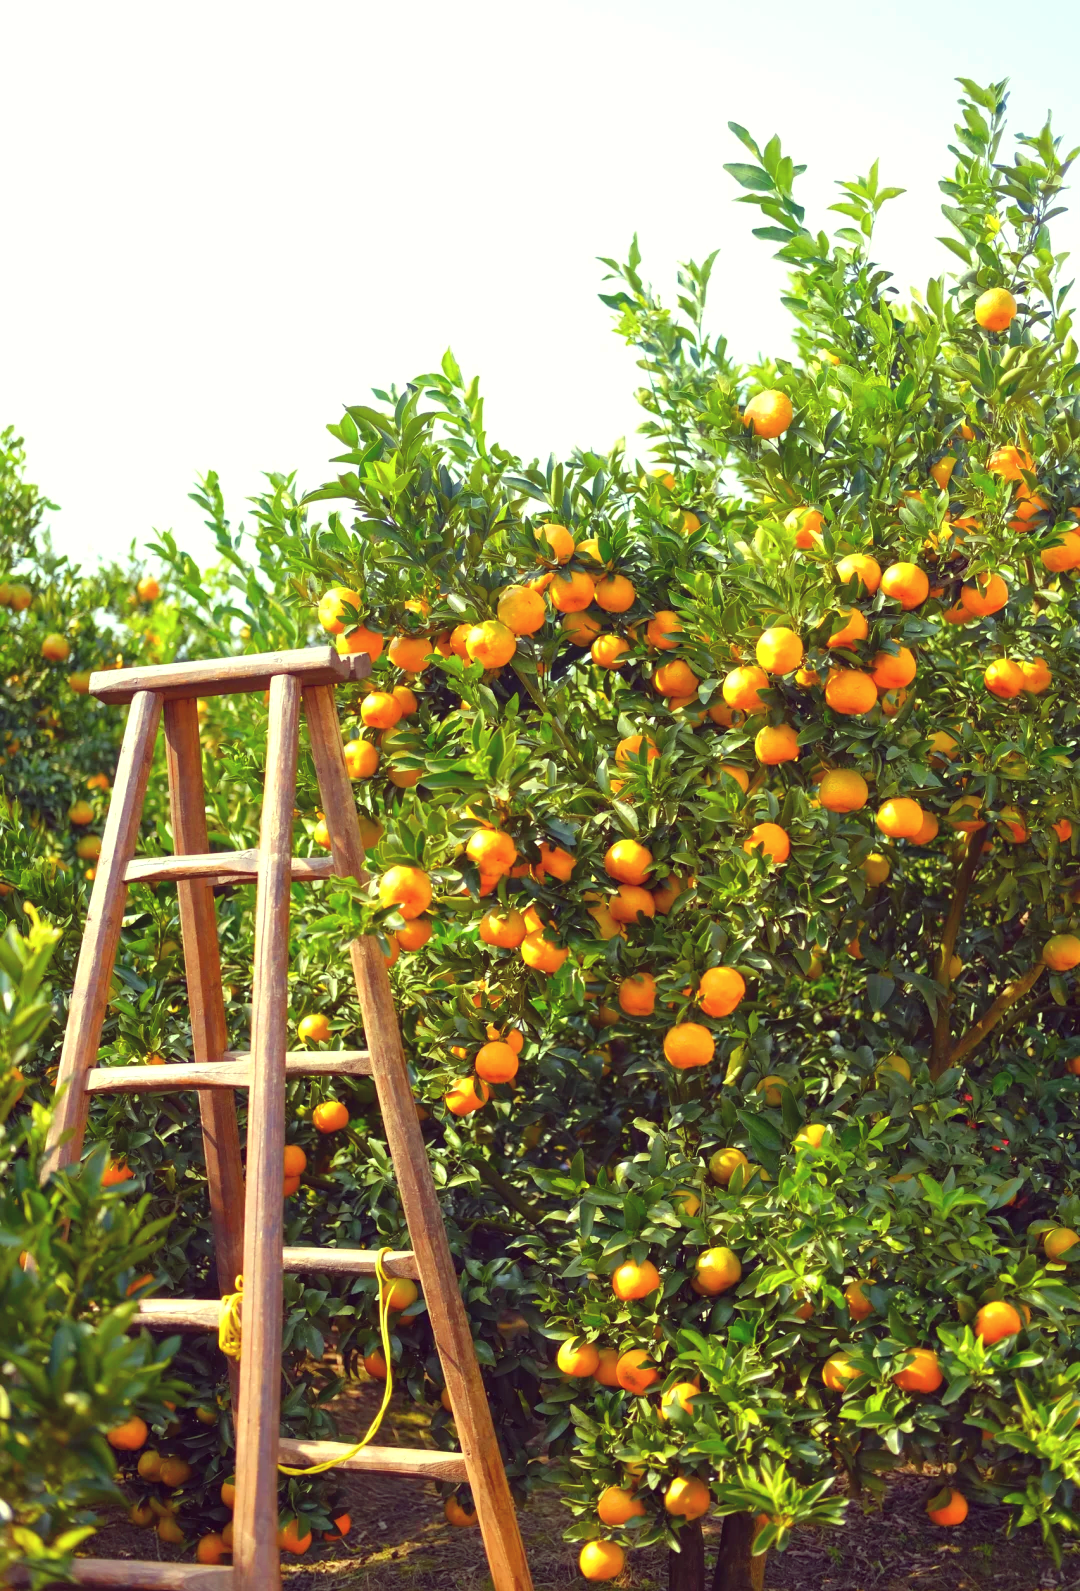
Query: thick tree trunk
[736, 1568]
[686, 1569]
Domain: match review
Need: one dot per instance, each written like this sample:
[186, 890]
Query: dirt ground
[400, 1541]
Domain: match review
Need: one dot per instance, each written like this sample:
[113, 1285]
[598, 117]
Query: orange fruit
[169, 1530]
[740, 775]
[989, 594]
[129, 1436]
[964, 815]
[492, 850]
[1013, 824]
[813, 1136]
[1064, 554]
[876, 867]
[742, 689]
[210, 1549]
[581, 628]
[361, 759]
[676, 679]
[630, 902]
[415, 934]
[496, 1063]
[556, 542]
[688, 1497]
[80, 680]
[607, 1370]
[632, 1280]
[632, 748]
[375, 1365]
[771, 1087]
[80, 813]
[466, 1095]
[632, 1372]
[906, 583]
[116, 1172]
[776, 743]
[996, 1320]
[628, 862]
[342, 1526]
[927, 831]
[601, 1560]
[770, 413]
[922, 1373]
[410, 652]
[716, 1270]
[148, 589]
[941, 472]
[1037, 676]
[942, 745]
[379, 710]
[850, 691]
[779, 650]
[1029, 506]
[615, 1506]
[1062, 952]
[665, 896]
[995, 309]
[720, 990]
[615, 594]
[1058, 1241]
[174, 1472]
[314, 1028]
[294, 1160]
[1003, 679]
[521, 610]
[290, 1186]
[361, 639]
[407, 888]
[406, 700]
[504, 928]
[860, 566]
[1063, 829]
[843, 790]
[900, 818]
[838, 1371]
[805, 524]
[849, 626]
[330, 1116]
[772, 839]
[681, 1395]
[610, 651]
[491, 644]
[1009, 462]
[581, 1359]
[890, 670]
[571, 591]
[290, 1539]
[637, 994]
[661, 627]
[689, 1044]
[541, 954]
[724, 1164]
[333, 605]
[953, 1512]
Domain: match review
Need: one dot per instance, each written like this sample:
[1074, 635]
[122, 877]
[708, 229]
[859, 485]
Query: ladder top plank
[353, 1261]
[236, 866]
[178, 1314]
[232, 1071]
[222, 676]
[126, 1574]
[425, 1462]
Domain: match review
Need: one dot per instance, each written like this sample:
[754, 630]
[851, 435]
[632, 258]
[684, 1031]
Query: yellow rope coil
[229, 1340]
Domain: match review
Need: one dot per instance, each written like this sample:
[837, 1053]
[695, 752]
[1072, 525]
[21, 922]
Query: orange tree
[727, 821]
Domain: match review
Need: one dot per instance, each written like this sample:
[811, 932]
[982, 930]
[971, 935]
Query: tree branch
[1011, 995]
[939, 1054]
[529, 1212]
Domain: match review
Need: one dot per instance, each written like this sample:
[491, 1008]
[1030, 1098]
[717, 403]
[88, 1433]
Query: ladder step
[226, 867]
[178, 1314]
[127, 1574]
[354, 1261]
[420, 1461]
[233, 1072]
[222, 676]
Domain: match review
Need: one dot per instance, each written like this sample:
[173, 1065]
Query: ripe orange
[361, 639]
[407, 888]
[496, 1062]
[632, 1280]
[632, 748]
[637, 994]
[1009, 462]
[294, 1160]
[601, 1560]
[314, 1028]
[812, 1136]
[843, 790]
[953, 1512]
[466, 1095]
[742, 689]
[716, 1270]
[174, 1472]
[689, 1044]
[891, 670]
[1012, 822]
[571, 591]
[681, 1395]
[607, 1370]
[770, 413]
[665, 896]
[628, 862]
[927, 831]
[330, 1116]
[491, 644]
[661, 627]
[80, 813]
[542, 954]
[860, 566]
[676, 679]
[1064, 554]
[989, 594]
[415, 934]
[776, 743]
[129, 1436]
[838, 1371]
[740, 775]
[361, 759]
[342, 1526]
[1037, 676]
[629, 903]
[900, 818]
[556, 542]
[79, 680]
[169, 1530]
[724, 1164]
[922, 1373]
[521, 610]
[1058, 1241]
[633, 1372]
[688, 1497]
[806, 525]
[148, 589]
[779, 650]
[116, 1172]
[290, 1539]
[720, 990]
[610, 651]
[771, 1087]
[964, 815]
[210, 1549]
[995, 309]
[997, 1320]
[1063, 829]
[379, 710]
[581, 628]
[505, 929]
[615, 1506]
[772, 839]
[941, 472]
[332, 615]
[581, 1359]
[410, 652]
[906, 583]
[850, 691]
[492, 850]
[615, 594]
[1062, 952]
[876, 867]
[55, 649]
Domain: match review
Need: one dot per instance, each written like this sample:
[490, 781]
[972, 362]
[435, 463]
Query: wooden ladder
[248, 1227]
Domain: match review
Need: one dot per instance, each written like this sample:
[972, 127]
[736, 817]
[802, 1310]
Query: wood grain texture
[178, 1314]
[255, 1544]
[101, 935]
[232, 867]
[232, 1071]
[351, 1261]
[206, 1004]
[221, 676]
[419, 1461]
[453, 1338]
[124, 1575]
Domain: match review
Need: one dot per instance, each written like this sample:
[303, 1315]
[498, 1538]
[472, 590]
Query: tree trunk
[686, 1569]
[736, 1568]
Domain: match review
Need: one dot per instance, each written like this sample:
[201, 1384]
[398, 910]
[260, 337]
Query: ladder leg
[202, 965]
[255, 1550]
[101, 935]
[472, 1417]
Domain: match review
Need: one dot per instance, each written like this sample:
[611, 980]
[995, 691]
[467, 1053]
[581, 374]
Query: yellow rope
[229, 1336]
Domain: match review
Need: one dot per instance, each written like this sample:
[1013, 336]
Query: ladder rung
[178, 1314]
[233, 1072]
[421, 1461]
[127, 1574]
[222, 676]
[355, 1261]
[233, 867]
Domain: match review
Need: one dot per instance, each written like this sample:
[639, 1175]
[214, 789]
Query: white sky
[226, 220]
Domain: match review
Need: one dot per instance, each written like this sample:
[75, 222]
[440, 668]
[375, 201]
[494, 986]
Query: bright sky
[228, 218]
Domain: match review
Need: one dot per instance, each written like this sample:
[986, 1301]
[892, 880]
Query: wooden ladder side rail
[101, 935]
[258, 1420]
[453, 1338]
